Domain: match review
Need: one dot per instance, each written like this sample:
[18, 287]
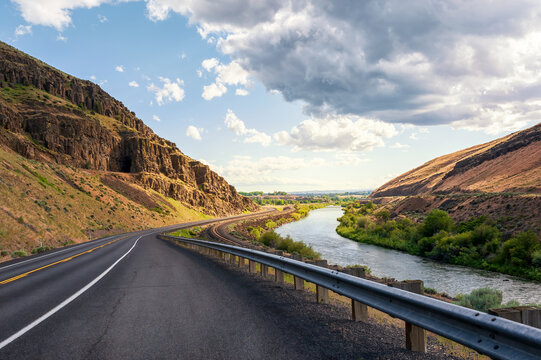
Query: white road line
[63, 303]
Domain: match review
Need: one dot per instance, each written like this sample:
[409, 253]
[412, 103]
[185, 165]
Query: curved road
[134, 296]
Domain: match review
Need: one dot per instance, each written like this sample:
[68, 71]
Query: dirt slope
[508, 164]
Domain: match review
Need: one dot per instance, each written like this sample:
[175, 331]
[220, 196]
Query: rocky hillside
[500, 179]
[49, 116]
[509, 164]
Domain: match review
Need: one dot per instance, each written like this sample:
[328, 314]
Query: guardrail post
[264, 270]
[241, 261]
[359, 311]
[415, 336]
[297, 281]
[322, 294]
[527, 315]
[252, 266]
[278, 274]
[530, 316]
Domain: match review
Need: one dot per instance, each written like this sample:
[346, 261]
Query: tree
[436, 221]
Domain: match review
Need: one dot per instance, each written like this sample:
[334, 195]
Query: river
[319, 230]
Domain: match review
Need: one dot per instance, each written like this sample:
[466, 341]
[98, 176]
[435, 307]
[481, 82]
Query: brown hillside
[508, 164]
[49, 116]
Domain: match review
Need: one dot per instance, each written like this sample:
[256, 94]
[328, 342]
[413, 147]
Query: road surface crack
[109, 320]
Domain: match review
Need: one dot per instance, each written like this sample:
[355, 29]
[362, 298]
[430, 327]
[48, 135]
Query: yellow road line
[57, 262]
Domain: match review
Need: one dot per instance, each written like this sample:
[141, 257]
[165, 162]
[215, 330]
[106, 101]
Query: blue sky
[300, 96]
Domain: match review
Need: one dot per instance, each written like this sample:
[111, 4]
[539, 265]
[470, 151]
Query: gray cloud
[423, 62]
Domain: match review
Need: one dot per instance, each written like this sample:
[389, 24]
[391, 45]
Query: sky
[306, 94]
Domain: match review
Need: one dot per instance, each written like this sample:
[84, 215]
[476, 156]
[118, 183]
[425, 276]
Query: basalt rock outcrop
[47, 115]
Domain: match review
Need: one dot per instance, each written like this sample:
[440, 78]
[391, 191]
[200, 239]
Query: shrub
[19, 253]
[4, 253]
[40, 249]
[270, 238]
[429, 290]
[270, 224]
[436, 221]
[480, 299]
[255, 233]
[296, 216]
[366, 269]
[274, 240]
[518, 251]
[536, 258]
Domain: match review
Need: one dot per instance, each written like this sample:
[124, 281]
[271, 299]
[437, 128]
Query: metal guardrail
[496, 337]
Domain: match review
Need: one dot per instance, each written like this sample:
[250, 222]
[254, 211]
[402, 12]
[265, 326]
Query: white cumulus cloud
[119, 68]
[133, 84]
[237, 126]
[193, 132]
[241, 92]
[23, 30]
[156, 118]
[226, 75]
[170, 91]
[337, 132]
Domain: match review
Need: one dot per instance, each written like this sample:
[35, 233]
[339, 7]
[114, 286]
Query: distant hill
[509, 164]
[68, 137]
[500, 179]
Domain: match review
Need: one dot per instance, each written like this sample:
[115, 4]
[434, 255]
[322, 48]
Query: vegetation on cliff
[47, 205]
[477, 242]
[49, 116]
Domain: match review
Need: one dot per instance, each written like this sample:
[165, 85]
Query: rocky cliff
[500, 179]
[47, 115]
[510, 164]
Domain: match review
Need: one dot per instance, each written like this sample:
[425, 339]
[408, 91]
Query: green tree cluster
[476, 243]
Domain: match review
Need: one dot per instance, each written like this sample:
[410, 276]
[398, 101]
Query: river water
[319, 230]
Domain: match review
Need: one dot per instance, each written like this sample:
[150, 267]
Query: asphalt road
[161, 301]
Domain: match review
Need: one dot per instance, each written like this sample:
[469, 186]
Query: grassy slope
[59, 204]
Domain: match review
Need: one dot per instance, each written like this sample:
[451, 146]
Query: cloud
[171, 91]
[229, 74]
[193, 132]
[213, 90]
[92, 77]
[60, 37]
[23, 30]
[55, 13]
[102, 18]
[398, 145]
[337, 132]
[349, 159]
[119, 68]
[133, 84]
[241, 92]
[156, 118]
[268, 170]
[237, 126]
[429, 62]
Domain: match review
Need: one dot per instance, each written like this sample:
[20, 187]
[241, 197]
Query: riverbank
[253, 229]
[476, 243]
[319, 231]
